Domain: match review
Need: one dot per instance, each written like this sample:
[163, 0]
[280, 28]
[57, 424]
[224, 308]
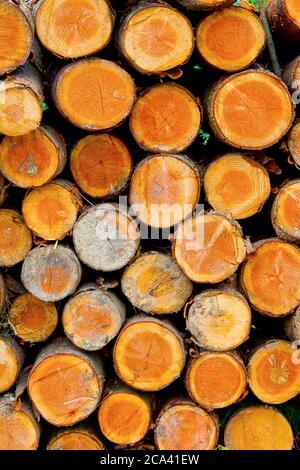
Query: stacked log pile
[149, 225]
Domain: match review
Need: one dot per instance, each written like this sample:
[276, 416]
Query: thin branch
[271, 46]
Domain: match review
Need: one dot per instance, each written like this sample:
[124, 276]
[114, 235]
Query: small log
[230, 39]
[292, 326]
[293, 143]
[219, 319]
[258, 428]
[286, 212]
[205, 5]
[155, 284]
[19, 429]
[94, 94]
[32, 319]
[16, 37]
[74, 29]
[216, 379]
[284, 17]
[155, 37]
[3, 293]
[274, 372]
[291, 76]
[34, 159]
[164, 190]
[75, 438]
[165, 118]
[65, 384]
[21, 102]
[209, 247]
[11, 361]
[270, 277]
[101, 165]
[149, 354]
[51, 211]
[250, 110]
[15, 240]
[93, 317]
[51, 273]
[125, 415]
[182, 425]
[106, 238]
[238, 184]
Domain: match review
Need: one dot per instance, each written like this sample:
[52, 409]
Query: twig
[271, 46]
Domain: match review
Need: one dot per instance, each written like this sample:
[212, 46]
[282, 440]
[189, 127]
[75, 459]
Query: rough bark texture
[282, 23]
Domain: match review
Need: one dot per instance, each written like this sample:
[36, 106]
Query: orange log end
[286, 212]
[101, 165]
[15, 240]
[273, 267]
[11, 359]
[294, 142]
[75, 439]
[274, 372]
[166, 118]
[18, 429]
[124, 417]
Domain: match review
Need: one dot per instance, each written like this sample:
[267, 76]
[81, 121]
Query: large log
[94, 94]
[15, 240]
[270, 277]
[21, 101]
[106, 238]
[250, 110]
[11, 361]
[149, 354]
[65, 384]
[258, 428]
[154, 284]
[238, 184]
[274, 372]
[230, 39]
[93, 317]
[155, 37]
[165, 118]
[284, 17]
[51, 273]
[209, 247]
[72, 29]
[182, 425]
[218, 319]
[33, 159]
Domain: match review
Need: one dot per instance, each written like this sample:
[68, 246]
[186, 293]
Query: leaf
[205, 136]
[45, 106]
[197, 67]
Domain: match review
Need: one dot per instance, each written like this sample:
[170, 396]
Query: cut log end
[274, 372]
[185, 426]
[51, 210]
[94, 94]
[166, 118]
[286, 212]
[16, 37]
[15, 240]
[258, 428]
[77, 438]
[156, 38]
[230, 39]
[164, 190]
[273, 267]
[74, 28]
[219, 320]
[32, 319]
[19, 429]
[33, 159]
[209, 248]
[92, 318]
[124, 417]
[155, 284]
[254, 100]
[51, 273]
[216, 380]
[148, 354]
[205, 5]
[291, 75]
[101, 165]
[65, 384]
[237, 184]
[293, 141]
[11, 363]
[106, 238]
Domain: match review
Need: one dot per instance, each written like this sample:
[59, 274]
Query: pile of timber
[110, 338]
